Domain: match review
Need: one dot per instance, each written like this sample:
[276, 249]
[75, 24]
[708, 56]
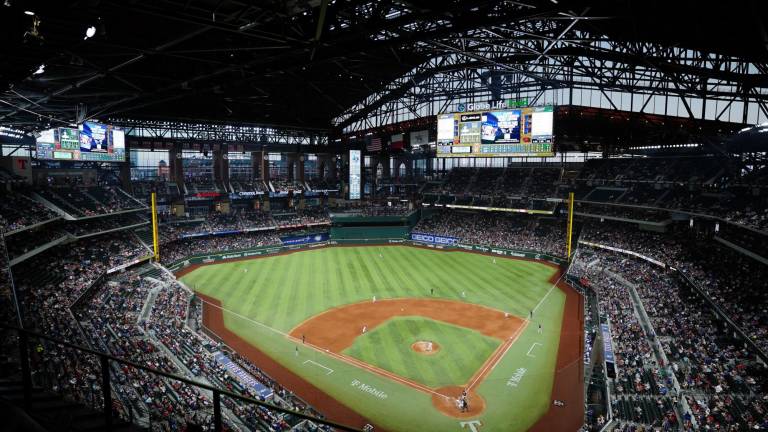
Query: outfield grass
[277, 293]
[388, 346]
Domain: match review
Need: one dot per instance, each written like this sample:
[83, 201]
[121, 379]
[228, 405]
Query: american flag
[374, 144]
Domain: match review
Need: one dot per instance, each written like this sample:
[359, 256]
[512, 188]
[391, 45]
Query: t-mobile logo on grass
[515, 379]
[368, 389]
[473, 425]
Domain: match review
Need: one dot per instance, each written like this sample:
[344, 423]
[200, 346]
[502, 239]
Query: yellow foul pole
[155, 237]
[570, 226]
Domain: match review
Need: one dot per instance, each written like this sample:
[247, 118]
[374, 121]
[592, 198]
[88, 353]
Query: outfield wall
[277, 249]
[380, 233]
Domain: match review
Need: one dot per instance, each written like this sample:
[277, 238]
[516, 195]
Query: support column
[217, 156]
[256, 165]
[175, 164]
[301, 168]
[264, 166]
[125, 174]
[386, 165]
[293, 161]
[333, 173]
[225, 164]
[221, 165]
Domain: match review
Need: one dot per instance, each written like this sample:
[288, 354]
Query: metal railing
[106, 360]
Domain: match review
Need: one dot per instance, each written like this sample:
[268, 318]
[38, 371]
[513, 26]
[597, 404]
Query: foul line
[241, 316]
[548, 292]
[330, 371]
[497, 355]
[531, 349]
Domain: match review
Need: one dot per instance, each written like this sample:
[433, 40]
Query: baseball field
[392, 335]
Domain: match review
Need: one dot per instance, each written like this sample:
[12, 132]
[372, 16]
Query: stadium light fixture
[90, 32]
[28, 12]
[40, 69]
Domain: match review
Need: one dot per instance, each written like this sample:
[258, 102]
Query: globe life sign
[495, 105]
[480, 106]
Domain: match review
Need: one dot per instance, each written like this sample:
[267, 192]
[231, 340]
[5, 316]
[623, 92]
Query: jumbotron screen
[497, 133]
[91, 141]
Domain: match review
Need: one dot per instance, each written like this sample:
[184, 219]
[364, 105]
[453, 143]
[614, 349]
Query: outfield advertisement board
[610, 359]
[434, 239]
[128, 264]
[305, 239]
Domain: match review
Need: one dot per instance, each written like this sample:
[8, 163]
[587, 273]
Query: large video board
[497, 133]
[91, 141]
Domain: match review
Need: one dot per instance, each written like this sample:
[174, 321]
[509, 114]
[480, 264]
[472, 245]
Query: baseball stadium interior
[383, 215]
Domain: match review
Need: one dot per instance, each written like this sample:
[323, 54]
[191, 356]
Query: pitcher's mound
[425, 347]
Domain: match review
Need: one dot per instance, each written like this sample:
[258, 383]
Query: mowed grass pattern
[388, 346]
[282, 291]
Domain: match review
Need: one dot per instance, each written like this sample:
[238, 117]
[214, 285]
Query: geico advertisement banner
[306, 239]
[433, 239]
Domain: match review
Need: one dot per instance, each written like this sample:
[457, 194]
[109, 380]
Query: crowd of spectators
[238, 220]
[724, 387]
[116, 320]
[22, 242]
[73, 300]
[89, 201]
[201, 184]
[301, 217]
[86, 227]
[246, 184]
[279, 185]
[172, 229]
[320, 184]
[484, 186]
[27, 241]
[732, 280]
[392, 208]
[47, 285]
[18, 211]
[692, 184]
[641, 387]
[622, 212]
[497, 229]
[178, 249]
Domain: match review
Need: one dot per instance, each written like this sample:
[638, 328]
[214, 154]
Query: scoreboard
[518, 132]
[91, 141]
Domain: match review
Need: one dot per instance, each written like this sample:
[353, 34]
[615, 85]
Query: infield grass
[462, 351]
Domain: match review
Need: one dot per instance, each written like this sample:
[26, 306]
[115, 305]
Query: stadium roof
[305, 63]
